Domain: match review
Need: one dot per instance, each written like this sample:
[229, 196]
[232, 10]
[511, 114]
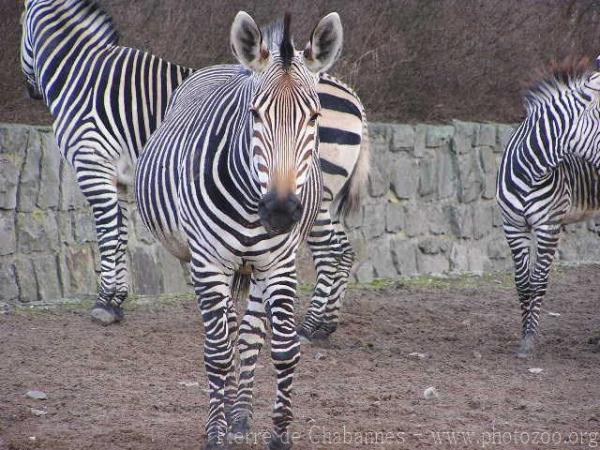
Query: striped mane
[569, 74]
[277, 36]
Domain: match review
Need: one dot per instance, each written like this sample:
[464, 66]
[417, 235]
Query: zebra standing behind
[106, 100]
[231, 181]
[549, 177]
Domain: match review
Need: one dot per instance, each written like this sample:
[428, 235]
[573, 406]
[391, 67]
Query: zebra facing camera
[278, 214]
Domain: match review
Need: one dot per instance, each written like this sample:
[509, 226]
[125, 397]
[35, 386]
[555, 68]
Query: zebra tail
[348, 201]
[240, 285]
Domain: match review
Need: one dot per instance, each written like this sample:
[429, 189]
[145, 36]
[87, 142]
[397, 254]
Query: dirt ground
[131, 386]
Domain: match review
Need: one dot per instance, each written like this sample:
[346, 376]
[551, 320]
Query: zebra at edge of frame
[231, 180]
[105, 100]
[548, 177]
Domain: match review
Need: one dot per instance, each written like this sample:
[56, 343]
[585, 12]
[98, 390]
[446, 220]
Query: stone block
[432, 246]
[364, 272]
[8, 237]
[404, 176]
[463, 137]
[37, 231]
[66, 233]
[146, 276]
[420, 139]
[379, 175]
[437, 219]
[403, 138]
[85, 227]
[29, 181]
[9, 290]
[470, 177]
[461, 220]
[381, 258]
[486, 135]
[141, 233]
[79, 274]
[438, 135]
[49, 192]
[404, 256]
[26, 280]
[446, 173]
[482, 220]
[46, 274]
[9, 181]
[498, 249]
[13, 138]
[70, 194]
[432, 264]
[427, 177]
[477, 259]
[459, 260]
[505, 132]
[415, 220]
[173, 272]
[395, 217]
[374, 220]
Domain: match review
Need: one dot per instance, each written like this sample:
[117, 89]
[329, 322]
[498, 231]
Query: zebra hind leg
[122, 273]
[340, 284]
[250, 343]
[547, 243]
[97, 181]
[519, 241]
[325, 251]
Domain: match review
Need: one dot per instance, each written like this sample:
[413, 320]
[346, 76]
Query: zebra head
[284, 109]
[27, 56]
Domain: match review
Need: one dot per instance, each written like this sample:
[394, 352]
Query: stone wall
[429, 209]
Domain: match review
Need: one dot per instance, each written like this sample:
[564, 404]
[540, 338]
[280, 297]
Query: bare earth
[120, 387]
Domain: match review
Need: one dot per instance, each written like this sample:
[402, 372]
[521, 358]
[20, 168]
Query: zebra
[106, 100]
[548, 177]
[231, 181]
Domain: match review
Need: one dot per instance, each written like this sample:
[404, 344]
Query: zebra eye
[313, 118]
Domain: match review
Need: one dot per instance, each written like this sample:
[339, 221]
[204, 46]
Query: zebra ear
[247, 43]
[593, 81]
[325, 43]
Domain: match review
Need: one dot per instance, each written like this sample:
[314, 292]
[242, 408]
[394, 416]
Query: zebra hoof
[103, 314]
[240, 426]
[216, 444]
[304, 335]
[526, 347]
[322, 334]
[117, 312]
[280, 442]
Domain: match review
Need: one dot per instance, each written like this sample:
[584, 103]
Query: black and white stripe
[231, 181]
[548, 177]
[106, 100]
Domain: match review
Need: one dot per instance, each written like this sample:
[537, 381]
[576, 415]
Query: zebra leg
[231, 380]
[547, 242]
[519, 241]
[212, 287]
[122, 274]
[325, 253]
[340, 283]
[97, 180]
[251, 340]
[285, 349]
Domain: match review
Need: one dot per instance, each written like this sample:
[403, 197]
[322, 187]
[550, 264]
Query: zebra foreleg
[340, 284]
[231, 382]
[547, 242]
[251, 340]
[212, 288]
[519, 241]
[97, 180]
[285, 349]
[325, 251]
